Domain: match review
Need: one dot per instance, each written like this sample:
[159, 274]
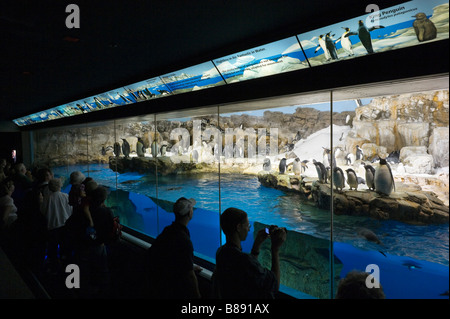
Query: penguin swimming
[321, 171]
[364, 35]
[329, 43]
[297, 166]
[323, 46]
[125, 148]
[338, 178]
[117, 149]
[370, 176]
[352, 179]
[369, 235]
[424, 27]
[282, 166]
[266, 165]
[383, 179]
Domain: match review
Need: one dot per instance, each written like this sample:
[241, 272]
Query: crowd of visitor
[47, 229]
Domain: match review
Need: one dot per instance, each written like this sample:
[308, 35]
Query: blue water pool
[426, 245]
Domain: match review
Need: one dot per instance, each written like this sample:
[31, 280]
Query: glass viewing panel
[230, 156]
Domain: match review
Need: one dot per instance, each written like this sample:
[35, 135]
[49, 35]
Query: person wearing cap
[239, 275]
[172, 274]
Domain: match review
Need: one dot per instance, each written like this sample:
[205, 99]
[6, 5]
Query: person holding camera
[239, 275]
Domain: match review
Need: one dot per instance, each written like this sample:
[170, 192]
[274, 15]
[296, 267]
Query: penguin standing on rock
[282, 166]
[338, 178]
[359, 153]
[126, 148]
[352, 179]
[266, 165]
[117, 149]
[297, 166]
[321, 171]
[163, 150]
[384, 180]
[370, 176]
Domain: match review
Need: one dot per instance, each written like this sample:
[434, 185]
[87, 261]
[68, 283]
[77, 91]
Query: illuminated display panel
[198, 77]
[383, 30]
[273, 58]
[391, 28]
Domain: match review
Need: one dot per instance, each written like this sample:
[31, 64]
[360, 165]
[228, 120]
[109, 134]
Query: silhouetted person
[172, 274]
[354, 286]
[239, 275]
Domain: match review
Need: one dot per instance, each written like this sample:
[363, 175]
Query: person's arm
[261, 236]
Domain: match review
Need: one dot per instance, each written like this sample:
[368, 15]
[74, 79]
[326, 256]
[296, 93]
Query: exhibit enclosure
[310, 162]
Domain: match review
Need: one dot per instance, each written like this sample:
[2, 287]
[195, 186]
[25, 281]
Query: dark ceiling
[45, 64]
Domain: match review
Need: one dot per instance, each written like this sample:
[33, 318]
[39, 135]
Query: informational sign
[194, 78]
[407, 24]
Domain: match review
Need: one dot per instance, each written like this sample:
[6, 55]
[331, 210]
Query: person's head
[99, 195]
[20, 168]
[76, 178]
[90, 187]
[184, 208]
[54, 185]
[354, 286]
[235, 221]
[44, 175]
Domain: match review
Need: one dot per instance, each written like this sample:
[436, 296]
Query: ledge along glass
[383, 30]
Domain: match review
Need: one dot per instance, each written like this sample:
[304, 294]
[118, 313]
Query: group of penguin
[380, 180]
[125, 148]
[424, 28]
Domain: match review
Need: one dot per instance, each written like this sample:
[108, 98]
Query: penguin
[424, 27]
[140, 147]
[328, 157]
[370, 176]
[352, 179]
[329, 43]
[345, 42]
[125, 148]
[266, 165]
[297, 166]
[163, 150]
[323, 45]
[359, 153]
[282, 166]
[364, 35]
[195, 156]
[103, 150]
[154, 148]
[304, 165]
[349, 159]
[338, 178]
[117, 149]
[383, 179]
[368, 235]
[321, 171]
